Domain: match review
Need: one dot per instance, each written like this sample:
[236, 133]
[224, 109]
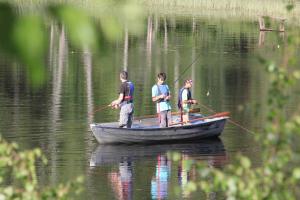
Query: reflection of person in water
[159, 183]
[185, 174]
[122, 181]
[217, 161]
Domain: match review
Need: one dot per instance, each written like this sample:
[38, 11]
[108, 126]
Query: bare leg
[185, 117]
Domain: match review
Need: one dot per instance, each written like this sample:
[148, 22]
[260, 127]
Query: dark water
[221, 57]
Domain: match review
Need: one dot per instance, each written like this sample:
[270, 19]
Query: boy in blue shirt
[161, 95]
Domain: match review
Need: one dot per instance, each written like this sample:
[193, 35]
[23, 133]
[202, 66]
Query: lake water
[220, 56]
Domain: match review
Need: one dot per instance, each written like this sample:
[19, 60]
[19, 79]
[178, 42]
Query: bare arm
[156, 98]
[117, 101]
[192, 101]
[168, 97]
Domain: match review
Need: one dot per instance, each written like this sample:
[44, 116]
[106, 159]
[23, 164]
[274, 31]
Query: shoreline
[223, 9]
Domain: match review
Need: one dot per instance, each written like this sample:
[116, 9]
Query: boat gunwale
[97, 125]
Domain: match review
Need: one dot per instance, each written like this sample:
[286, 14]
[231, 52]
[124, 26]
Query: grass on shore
[217, 9]
[225, 9]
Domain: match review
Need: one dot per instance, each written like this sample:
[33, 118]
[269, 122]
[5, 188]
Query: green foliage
[28, 50]
[81, 31]
[18, 179]
[25, 37]
[6, 15]
[278, 175]
[290, 7]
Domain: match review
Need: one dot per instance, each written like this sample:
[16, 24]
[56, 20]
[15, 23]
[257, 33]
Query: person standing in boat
[161, 95]
[185, 100]
[125, 101]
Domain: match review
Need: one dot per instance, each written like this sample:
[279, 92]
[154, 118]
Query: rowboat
[147, 130]
[206, 149]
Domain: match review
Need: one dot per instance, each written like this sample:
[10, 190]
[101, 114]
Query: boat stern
[92, 127]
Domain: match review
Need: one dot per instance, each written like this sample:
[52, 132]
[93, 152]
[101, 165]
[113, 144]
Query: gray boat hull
[108, 133]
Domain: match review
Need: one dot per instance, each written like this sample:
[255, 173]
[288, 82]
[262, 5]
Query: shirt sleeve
[122, 89]
[154, 91]
[184, 95]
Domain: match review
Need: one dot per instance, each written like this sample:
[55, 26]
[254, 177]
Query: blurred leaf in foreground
[18, 176]
[30, 41]
[7, 19]
[79, 26]
[23, 38]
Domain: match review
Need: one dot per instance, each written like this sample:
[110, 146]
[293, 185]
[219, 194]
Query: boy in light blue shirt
[161, 96]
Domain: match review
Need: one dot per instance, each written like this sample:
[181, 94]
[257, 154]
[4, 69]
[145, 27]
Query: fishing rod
[222, 114]
[100, 109]
[189, 66]
[208, 108]
[230, 120]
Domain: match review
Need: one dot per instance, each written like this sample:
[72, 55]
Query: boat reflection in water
[210, 151]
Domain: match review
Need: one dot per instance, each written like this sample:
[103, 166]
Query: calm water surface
[227, 76]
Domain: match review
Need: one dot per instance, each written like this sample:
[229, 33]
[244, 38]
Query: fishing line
[99, 109]
[230, 120]
[194, 61]
[189, 66]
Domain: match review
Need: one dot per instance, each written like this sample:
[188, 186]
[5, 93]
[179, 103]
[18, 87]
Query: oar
[221, 114]
[195, 110]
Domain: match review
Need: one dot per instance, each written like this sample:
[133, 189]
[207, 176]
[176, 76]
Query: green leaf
[271, 67]
[29, 187]
[246, 163]
[290, 7]
[191, 187]
[81, 30]
[175, 156]
[7, 20]
[30, 41]
[296, 173]
[133, 16]
[111, 28]
[296, 74]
